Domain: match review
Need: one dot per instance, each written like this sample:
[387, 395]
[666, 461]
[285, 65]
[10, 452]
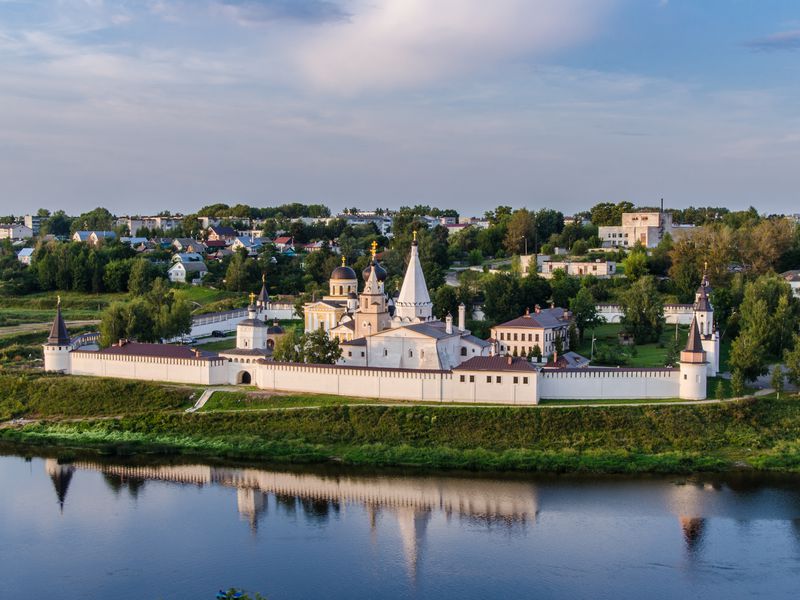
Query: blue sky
[147, 105]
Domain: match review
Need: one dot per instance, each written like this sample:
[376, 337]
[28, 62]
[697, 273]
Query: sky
[149, 105]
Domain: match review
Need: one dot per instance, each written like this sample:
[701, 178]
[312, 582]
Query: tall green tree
[643, 311]
[584, 311]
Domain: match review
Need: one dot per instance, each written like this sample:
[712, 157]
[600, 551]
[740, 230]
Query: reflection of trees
[318, 510]
[286, 503]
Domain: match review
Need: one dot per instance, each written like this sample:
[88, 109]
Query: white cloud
[387, 44]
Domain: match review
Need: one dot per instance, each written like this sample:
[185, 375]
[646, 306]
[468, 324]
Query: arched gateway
[244, 378]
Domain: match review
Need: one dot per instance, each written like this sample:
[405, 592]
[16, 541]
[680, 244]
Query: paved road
[33, 327]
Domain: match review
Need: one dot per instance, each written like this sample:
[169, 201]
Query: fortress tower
[56, 350]
[694, 367]
[251, 333]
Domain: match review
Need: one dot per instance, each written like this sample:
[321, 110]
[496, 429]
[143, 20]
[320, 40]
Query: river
[125, 530]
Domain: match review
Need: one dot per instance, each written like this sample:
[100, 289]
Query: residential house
[25, 256]
[15, 231]
[187, 257]
[189, 245]
[34, 222]
[93, 237]
[284, 244]
[793, 278]
[216, 233]
[540, 328]
[251, 244]
[187, 272]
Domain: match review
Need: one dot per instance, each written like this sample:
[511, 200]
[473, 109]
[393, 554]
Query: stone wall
[609, 383]
[144, 368]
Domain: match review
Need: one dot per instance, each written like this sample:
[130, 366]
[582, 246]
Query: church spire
[263, 295]
[414, 302]
[59, 336]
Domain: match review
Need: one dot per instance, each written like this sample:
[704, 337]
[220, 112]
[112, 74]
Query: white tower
[709, 335]
[56, 350]
[414, 304]
[251, 334]
[694, 368]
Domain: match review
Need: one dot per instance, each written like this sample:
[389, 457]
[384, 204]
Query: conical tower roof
[414, 291]
[371, 287]
[694, 343]
[59, 336]
[263, 295]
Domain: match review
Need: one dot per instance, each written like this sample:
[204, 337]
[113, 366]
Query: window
[472, 378]
[489, 378]
[350, 353]
[410, 354]
[529, 337]
[525, 380]
[461, 378]
[684, 376]
[362, 354]
[464, 351]
[385, 352]
[516, 379]
[537, 337]
[515, 337]
[422, 354]
[499, 379]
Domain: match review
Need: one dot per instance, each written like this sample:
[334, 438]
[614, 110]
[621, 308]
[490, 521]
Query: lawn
[645, 355]
[40, 307]
[221, 344]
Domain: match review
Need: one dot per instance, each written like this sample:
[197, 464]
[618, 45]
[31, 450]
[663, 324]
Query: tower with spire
[372, 315]
[414, 304]
[57, 349]
[704, 314]
[251, 333]
[694, 366]
[262, 301]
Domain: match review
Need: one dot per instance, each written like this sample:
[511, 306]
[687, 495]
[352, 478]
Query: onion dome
[343, 272]
[380, 272]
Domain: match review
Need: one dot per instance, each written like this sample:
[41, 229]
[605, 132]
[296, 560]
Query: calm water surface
[91, 529]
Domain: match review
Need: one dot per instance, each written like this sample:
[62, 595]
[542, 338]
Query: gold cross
[344, 260]
[252, 298]
[374, 248]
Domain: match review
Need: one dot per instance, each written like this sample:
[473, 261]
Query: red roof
[157, 351]
[283, 240]
[496, 363]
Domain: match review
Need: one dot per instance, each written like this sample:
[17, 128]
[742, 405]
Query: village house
[94, 237]
[15, 231]
[602, 269]
[187, 272]
[217, 233]
[25, 256]
[284, 244]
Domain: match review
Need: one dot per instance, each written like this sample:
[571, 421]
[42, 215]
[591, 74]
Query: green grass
[221, 344]
[646, 355]
[227, 401]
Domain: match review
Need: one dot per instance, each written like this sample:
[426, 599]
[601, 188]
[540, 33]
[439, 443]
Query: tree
[113, 324]
[737, 384]
[635, 265]
[673, 353]
[770, 312]
[573, 336]
[563, 287]
[791, 360]
[116, 275]
[236, 279]
[521, 228]
[643, 311]
[584, 311]
[777, 380]
[318, 347]
[748, 353]
[143, 272]
[719, 392]
[445, 301]
[287, 349]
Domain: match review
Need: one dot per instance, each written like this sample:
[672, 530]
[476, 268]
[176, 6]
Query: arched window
[463, 351]
[410, 354]
[385, 352]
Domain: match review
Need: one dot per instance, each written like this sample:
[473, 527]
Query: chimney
[448, 321]
[552, 304]
[537, 309]
[528, 312]
[510, 360]
[462, 317]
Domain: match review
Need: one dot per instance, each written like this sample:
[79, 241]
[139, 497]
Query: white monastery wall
[143, 368]
[673, 313]
[609, 383]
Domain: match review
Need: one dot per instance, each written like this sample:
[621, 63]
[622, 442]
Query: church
[404, 336]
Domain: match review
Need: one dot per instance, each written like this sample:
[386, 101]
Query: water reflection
[478, 534]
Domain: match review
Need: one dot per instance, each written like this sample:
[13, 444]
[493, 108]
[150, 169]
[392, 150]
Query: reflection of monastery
[401, 354]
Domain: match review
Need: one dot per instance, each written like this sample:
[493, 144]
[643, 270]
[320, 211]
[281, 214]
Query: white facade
[601, 269]
[15, 231]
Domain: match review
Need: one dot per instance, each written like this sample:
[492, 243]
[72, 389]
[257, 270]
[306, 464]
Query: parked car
[188, 340]
[217, 333]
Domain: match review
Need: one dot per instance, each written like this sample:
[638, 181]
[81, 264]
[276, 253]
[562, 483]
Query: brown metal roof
[58, 331]
[547, 317]
[496, 363]
[157, 351]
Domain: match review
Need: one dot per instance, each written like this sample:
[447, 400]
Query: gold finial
[252, 298]
[344, 260]
[263, 278]
[415, 235]
[374, 249]
[58, 301]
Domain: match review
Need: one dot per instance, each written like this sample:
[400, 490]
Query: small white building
[793, 279]
[602, 269]
[25, 256]
[187, 272]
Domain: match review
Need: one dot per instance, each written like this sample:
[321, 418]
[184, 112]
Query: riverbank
[119, 417]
